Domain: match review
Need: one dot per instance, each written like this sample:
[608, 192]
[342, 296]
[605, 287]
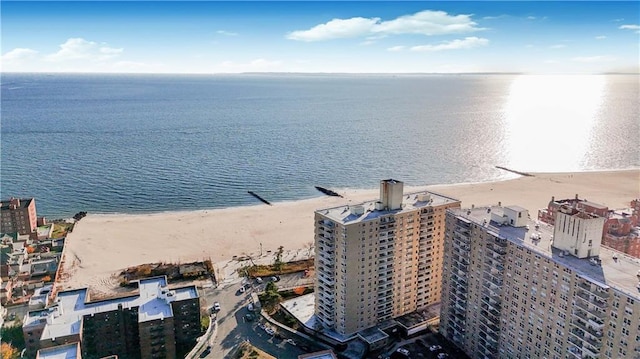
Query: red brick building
[18, 215]
[620, 231]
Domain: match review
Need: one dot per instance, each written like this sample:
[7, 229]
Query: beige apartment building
[380, 259]
[18, 215]
[519, 288]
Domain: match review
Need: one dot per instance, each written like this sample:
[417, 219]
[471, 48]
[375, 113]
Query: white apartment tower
[379, 259]
[531, 291]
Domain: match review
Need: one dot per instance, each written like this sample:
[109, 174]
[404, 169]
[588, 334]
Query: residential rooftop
[65, 316]
[613, 269]
[67, 351]
[23, 203]
[367, 211]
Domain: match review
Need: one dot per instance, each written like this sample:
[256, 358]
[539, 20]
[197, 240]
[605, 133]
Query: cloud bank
[427, 23]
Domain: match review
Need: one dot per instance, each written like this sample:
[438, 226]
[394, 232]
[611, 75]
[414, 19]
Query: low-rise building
[158, 322]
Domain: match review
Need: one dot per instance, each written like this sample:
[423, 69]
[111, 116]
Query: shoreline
[344, 189]
[102, 244]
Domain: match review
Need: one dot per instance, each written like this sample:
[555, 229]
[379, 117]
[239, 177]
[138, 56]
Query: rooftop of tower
[610, 269]
[369, 210]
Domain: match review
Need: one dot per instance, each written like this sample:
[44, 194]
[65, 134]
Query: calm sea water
[145, 143]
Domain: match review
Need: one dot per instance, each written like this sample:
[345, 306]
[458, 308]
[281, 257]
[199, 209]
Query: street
[233, 328]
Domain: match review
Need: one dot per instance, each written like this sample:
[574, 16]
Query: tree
[14, 336]
[277, 262]
[8, 351]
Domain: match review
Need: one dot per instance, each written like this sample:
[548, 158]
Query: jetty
[516, 172]
[328, 192]
[258, 197]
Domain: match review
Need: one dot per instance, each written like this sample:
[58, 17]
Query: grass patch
[285, 319]
[61, 229]
[271, 269]
[248, 351]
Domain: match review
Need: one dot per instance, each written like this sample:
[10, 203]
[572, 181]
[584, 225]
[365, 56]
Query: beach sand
[102, 245]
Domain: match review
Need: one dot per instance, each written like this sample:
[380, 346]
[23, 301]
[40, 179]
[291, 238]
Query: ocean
[150, 143]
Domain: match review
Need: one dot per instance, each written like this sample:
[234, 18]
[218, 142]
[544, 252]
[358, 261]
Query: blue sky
[357, 37]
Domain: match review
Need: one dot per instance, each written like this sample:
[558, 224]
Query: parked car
[443, 355]
[403, 351]
[249, 317]
[216, 307]
[269, 331]
[275, 278]
[206, 352]
[259, 280]
[242, 289]
[291, 341]
[250, 307]
[435, 348]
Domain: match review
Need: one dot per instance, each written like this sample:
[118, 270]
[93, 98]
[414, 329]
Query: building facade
[513, 292]
[18, 215]
[156, 323]
[380, 259]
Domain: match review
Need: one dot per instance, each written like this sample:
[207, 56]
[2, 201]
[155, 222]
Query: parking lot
[429, 346]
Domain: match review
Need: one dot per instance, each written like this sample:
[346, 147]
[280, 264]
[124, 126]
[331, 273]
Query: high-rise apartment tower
[379, 259]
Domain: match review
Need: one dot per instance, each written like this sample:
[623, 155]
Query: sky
[320, 36]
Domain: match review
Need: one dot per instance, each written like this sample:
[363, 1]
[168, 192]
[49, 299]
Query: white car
[434, 348]
[242, 289]
[269, 331]
[443, 355]
[403, 351]
[216, 306]
[291, 341]
[250, 307]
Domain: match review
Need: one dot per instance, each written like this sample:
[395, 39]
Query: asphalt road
[233, 329]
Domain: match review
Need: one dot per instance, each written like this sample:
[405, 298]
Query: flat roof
[65, 317]
[324, 354]
[619, 273]
[24, 203]
[67, 351]
[410, 202]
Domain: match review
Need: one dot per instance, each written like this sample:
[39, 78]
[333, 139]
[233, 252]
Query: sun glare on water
[548, 121]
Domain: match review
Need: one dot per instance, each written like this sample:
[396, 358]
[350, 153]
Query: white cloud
[531, 17]
[18, 54]
[635, 28]
[426, 23]
[395, 48]
[598, 58]
[367, 42]
[226, 33]
[558, 46]
[601, 37]
[336, 29]
[495, 17]
[458, 44]
[81, 49]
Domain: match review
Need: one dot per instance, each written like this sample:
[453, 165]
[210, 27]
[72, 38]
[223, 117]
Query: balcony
[585, 328]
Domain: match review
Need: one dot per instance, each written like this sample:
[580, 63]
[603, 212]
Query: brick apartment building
[18, 215]
[621, 228]
[158, 322]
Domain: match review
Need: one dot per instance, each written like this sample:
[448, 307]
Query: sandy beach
[102, 245]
